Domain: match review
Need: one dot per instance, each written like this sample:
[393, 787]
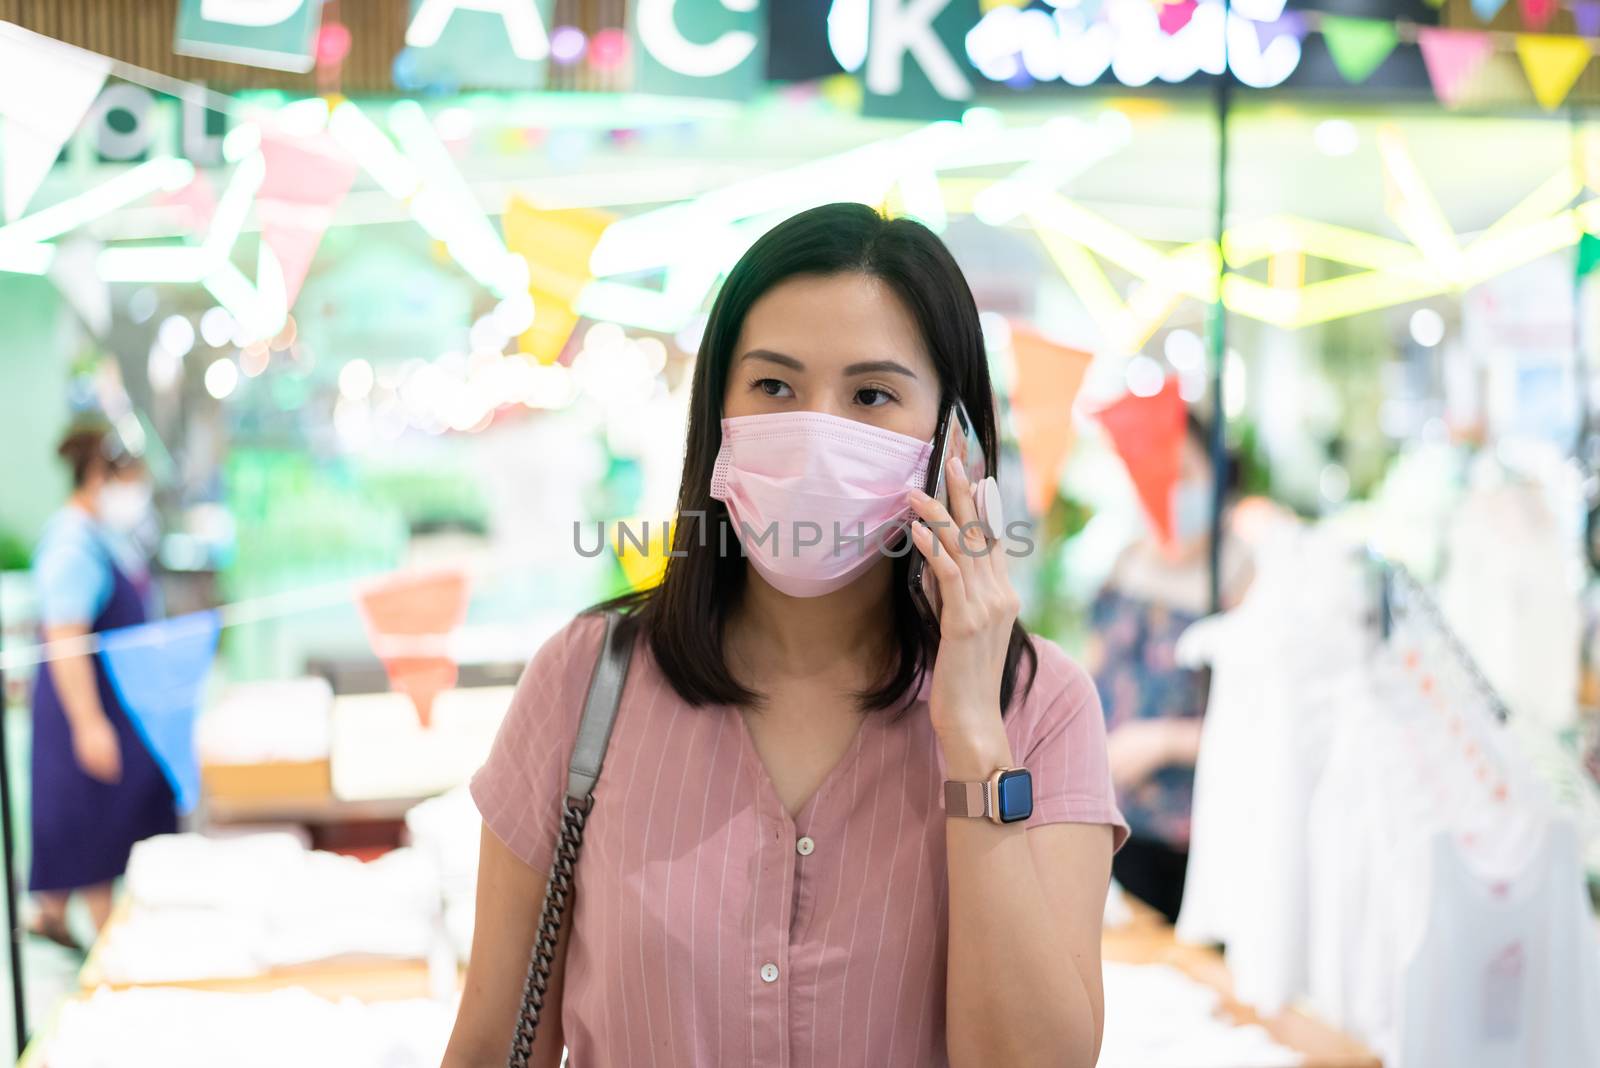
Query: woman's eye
[872, 397]
[773, 387]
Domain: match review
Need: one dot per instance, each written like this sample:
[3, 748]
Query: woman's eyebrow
[880, 367]
[864, 367]
[774, 357]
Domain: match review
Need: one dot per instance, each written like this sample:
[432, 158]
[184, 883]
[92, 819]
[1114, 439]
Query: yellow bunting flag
[1048, 377]
[557, 245]
[642, 567]
[1552, 65]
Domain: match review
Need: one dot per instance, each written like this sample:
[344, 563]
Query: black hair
[683, 617]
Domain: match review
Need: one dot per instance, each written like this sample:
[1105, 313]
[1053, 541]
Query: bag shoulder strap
[588, 752]
[599, 710]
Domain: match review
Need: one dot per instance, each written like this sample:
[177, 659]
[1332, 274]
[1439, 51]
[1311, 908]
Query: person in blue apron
[96, 788]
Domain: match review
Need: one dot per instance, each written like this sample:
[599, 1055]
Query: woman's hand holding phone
[977, 608]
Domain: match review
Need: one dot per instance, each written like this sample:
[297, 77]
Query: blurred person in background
[96, 788]
[1153, 706]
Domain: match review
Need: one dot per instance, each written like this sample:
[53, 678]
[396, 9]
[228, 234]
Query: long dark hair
[683, 616]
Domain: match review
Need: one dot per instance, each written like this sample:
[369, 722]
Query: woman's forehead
[828, 322]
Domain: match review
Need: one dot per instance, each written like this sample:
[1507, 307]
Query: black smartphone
[956, 436]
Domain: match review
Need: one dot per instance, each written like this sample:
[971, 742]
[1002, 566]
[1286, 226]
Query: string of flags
[159, 669]
[1454, 56]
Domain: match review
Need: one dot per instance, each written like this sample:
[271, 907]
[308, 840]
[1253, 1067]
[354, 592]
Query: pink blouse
[708, 927]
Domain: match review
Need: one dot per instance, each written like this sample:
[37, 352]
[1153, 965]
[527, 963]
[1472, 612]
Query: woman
[1152, 705]
[96, 789]
[768, 876]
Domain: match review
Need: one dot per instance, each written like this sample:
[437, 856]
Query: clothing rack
[1400, 594]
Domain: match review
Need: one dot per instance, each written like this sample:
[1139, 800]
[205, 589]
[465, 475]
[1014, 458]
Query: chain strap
[557, 894]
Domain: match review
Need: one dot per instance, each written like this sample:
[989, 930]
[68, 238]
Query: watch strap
[967, 798]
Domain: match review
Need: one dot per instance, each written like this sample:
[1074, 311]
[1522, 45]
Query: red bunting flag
[306, 179]
[1147, 433]
[409, 619]
[1048, 378]
[1536, 14]
[1452, 58]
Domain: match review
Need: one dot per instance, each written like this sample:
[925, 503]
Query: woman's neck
[776, 636]
[83, 501]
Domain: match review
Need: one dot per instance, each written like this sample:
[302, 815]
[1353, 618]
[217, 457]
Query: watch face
[1016, 795]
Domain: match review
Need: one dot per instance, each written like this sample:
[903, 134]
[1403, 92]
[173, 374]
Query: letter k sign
[907, 27]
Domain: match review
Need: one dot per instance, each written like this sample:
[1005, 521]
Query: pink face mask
[813, 497]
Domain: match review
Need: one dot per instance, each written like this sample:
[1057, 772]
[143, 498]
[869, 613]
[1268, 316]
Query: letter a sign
[280, 34]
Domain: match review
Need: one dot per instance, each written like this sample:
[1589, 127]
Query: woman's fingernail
[918, 496]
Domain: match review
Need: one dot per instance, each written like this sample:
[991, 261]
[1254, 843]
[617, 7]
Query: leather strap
[599, 712]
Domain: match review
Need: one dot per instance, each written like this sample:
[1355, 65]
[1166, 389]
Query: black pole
[19, 1012]
[1219, 336]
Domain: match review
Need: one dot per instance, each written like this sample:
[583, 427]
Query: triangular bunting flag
[1147, 433]
[1588, 254]
[1552, 65]
[197, 200]
[1586, 16]
[159, 671]
[1048, 378]
[1452, 58]
[1358, 46]
[642, 568]
[409, 619]
[1536, 14]
[1174, 16]
[72, 269]
[1487, 9]
[306, 179]
[46, 88]
[1288, 24]
[557, 244]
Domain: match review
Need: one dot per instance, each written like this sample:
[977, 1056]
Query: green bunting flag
[1358, 46]
[1588, 254]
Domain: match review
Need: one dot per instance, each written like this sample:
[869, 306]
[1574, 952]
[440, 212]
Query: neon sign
[1034, 45]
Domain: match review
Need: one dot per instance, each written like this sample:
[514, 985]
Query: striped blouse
[710, 928]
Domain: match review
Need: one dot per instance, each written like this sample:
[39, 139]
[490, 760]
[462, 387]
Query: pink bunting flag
[1147, 433]
[1536, 14]
[1452, 57]
[306, 179]
[1175, 16]
[198, 200]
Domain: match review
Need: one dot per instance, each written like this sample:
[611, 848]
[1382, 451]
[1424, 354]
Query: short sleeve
[1059, 732]
[519, 789]
[72, 581]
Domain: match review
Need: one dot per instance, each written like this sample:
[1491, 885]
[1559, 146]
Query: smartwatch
[1004, 797]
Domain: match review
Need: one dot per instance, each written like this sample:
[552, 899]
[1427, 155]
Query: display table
[1148, 939]
[1145, 939]
[364, 978]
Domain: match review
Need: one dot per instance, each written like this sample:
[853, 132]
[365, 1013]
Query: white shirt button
[804, 846]
[769, 972]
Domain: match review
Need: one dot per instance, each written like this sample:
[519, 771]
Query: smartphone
[956, 436]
